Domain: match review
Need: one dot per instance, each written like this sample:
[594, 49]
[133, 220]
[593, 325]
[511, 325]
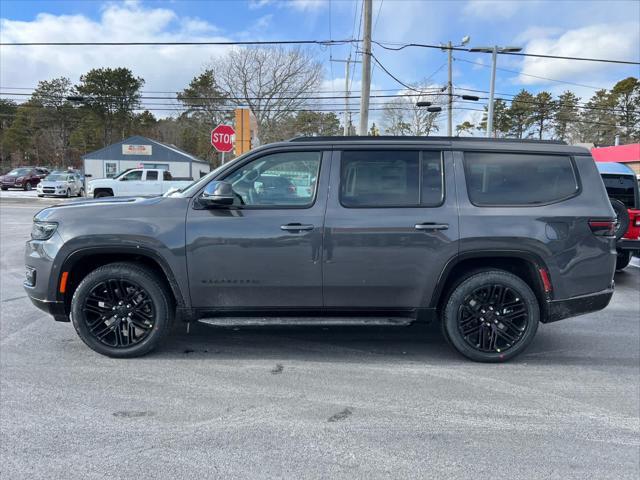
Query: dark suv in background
[25, 178]
[488, 237]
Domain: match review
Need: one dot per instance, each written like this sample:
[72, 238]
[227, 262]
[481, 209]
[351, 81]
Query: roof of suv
[464, 143]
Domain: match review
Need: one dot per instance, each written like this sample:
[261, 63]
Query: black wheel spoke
[493, 318]
[119, 313]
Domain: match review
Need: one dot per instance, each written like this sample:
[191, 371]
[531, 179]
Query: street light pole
[494, 51]
[450, 85]
[492, 88]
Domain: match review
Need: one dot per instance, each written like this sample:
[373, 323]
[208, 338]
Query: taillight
[603, 228]
[637, 221]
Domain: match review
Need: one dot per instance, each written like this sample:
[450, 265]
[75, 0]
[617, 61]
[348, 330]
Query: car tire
[81, 192]
[68, 193]
[102, 195]
[623, 259]
[4, 189]
[622, 217]
[474, 318]
[40, 195]
[27, 186]
[129, 288]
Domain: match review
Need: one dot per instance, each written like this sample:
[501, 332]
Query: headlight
[43, 230]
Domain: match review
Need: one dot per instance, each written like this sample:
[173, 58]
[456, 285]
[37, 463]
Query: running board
[304, 321]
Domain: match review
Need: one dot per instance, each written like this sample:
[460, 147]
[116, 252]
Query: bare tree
[401, 116]
[271, 82]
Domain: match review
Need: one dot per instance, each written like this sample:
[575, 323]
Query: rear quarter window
[504, 179]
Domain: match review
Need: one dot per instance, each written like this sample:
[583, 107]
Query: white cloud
[165, 68]
[492, 9]
[616, 41]
[301, 5]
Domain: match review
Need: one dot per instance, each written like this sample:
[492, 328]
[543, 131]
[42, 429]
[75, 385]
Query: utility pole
[366, 69]
[449, 48]
[347, 113]
[450, 85]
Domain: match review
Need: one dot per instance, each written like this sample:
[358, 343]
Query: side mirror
[88, 175]
[217, 194]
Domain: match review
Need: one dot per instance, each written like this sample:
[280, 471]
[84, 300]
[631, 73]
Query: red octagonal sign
[222, 138]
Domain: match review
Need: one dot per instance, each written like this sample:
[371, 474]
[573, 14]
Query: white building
[142, 152]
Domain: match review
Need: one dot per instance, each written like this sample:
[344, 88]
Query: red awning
[621, 153]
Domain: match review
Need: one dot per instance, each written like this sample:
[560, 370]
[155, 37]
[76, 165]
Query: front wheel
[491, 316]
[122, 310]
[81, 192]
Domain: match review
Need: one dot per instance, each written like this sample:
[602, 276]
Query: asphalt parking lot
[314, 402]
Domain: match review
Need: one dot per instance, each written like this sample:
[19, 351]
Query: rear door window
[503, 179]
[391, 178]
[152, 175]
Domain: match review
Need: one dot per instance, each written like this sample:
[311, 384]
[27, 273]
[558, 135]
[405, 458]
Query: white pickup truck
[145, 182]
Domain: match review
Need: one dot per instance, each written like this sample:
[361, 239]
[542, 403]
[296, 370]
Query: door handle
[296, 227]
[431, 226]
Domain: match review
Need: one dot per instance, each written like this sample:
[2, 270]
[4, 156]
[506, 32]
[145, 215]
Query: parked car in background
[488, 237]
[622, 187]
[25, 178]
[61, 184]
[145, 182]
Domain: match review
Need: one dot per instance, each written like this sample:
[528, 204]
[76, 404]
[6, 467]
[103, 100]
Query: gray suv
[488, 237]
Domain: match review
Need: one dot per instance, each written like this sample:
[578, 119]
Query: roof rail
[391, 138]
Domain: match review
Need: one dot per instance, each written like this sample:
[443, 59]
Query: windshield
[56, 177]
[18, 172]
[193, 187]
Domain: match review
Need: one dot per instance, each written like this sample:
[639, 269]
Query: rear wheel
[27, 186]
[491, 316]
[102, 194]
[623, 259]
[122, 310]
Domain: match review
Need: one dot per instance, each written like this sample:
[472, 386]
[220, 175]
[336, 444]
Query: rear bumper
[628, 244]
[571, 307]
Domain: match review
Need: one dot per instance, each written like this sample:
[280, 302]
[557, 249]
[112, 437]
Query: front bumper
[56, 309]
[572, 307]
[40, 284]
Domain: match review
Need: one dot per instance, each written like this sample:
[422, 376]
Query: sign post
[222, 139]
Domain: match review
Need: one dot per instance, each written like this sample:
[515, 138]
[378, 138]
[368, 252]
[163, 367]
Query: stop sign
[222, 138]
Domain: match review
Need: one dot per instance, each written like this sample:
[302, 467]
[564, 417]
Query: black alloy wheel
[118, 313]
[122, 310]
[491, 316]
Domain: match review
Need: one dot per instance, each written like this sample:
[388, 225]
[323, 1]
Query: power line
[534, 76]
[385, 45]
[221, 43]
[459, 49]
[375, 59]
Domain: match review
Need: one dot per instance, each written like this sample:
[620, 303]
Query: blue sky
[609, 29]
